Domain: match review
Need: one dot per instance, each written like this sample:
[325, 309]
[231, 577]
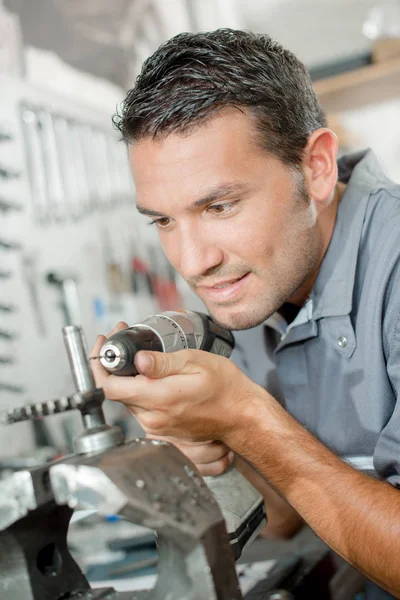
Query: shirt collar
[333, 289]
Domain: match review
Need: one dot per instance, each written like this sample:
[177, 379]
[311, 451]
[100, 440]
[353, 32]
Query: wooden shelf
[369, 85]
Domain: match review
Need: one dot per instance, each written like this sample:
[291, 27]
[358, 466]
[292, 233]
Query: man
[234, 164]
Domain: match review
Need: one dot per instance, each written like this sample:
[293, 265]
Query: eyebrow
[222, 191]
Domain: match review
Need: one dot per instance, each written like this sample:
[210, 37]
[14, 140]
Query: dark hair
[194, 75]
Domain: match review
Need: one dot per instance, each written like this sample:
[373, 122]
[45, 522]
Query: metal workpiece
[22, 492]
[154, 485]
[242, 506]
[35, 563]
[17, 498]
[97, 439]
[147, 482]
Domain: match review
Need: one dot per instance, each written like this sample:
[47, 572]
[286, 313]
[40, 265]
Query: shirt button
[342, 341]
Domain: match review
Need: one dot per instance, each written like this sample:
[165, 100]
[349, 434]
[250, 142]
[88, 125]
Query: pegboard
[67, 210]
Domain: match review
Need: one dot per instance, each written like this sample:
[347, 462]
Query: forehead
[222, 148]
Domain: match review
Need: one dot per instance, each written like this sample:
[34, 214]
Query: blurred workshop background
[72, 247]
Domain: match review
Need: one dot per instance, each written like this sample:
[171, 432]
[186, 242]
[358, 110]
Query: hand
[210, 458]
[191, 395]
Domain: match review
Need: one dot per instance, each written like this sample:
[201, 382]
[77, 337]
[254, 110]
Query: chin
[237, 321]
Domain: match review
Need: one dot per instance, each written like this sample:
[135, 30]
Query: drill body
[164, 332]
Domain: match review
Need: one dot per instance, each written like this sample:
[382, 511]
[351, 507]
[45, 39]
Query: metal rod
[75, 344]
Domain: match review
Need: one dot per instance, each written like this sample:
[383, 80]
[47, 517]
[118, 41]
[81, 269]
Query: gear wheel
[42, 409]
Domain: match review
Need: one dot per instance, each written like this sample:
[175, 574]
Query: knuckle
[162, 364]
[221, 465]
[153, 422]
[100, 381]
[100, 339]
[165, 367]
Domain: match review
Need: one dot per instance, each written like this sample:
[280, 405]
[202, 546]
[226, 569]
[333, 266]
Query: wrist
[249, 416]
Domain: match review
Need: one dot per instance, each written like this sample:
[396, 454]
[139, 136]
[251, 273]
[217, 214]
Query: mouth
[223, 291]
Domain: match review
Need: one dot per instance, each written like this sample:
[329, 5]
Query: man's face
[234, 221]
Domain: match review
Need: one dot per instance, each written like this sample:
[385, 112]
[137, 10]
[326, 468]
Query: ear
[319, 164]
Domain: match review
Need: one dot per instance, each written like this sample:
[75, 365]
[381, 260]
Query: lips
[224, 284]
[224, 291]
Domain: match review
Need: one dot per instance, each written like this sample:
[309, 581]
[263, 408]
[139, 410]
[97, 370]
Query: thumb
[157, 365]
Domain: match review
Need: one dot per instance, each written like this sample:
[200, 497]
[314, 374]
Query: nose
[198, 253]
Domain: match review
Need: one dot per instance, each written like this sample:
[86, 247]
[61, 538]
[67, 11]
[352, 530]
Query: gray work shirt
[336, 368]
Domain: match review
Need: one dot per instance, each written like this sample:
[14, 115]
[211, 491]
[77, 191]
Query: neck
[327, 219]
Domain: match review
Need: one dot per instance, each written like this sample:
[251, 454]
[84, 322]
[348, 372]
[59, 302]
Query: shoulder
[377, 280]
[380, 237]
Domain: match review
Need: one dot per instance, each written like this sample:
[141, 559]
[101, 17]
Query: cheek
[254, 236]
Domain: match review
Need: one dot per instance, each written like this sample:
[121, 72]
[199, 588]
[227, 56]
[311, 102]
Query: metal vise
[147, 482]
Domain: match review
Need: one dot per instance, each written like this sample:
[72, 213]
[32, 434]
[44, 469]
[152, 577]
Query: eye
[161, 223]
[221, 209]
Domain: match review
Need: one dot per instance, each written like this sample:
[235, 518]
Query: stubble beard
[296, 264]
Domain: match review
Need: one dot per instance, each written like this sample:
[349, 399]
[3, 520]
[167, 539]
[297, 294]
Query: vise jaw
[147, 482]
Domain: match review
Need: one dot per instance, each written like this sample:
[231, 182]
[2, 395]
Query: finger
[162, 364]
[147, 393]
[137, 391]
[95, 352]
[216, 468]
[119, 327]
[203, 453]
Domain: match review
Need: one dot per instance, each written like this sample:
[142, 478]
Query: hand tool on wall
[66, 285]
[36, 165]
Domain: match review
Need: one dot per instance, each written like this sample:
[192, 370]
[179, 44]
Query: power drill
[168, 331]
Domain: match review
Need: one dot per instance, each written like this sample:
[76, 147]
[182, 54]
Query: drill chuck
[164, 332]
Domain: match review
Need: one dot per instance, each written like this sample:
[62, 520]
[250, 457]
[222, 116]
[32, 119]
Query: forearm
[355, 515]
[283, 520]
